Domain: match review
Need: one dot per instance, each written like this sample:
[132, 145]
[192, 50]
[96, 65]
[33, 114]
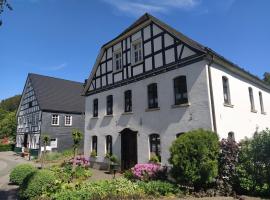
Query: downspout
[212, 102]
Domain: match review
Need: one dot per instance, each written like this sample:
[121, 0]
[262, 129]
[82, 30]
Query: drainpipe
[210, 57]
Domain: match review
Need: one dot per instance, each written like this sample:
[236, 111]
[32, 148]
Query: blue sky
[62, 38]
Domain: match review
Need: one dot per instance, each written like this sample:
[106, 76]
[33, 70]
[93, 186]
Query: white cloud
[57, 67]
[139, 7]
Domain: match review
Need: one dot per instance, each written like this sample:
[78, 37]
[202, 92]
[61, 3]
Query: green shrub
[36, 183]
[194, 158]
[129, 175]
[158, 188]
[6, 147]
[20, 172]
[253, 168]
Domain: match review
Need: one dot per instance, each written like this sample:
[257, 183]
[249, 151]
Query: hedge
[20, 172]
[6, 147]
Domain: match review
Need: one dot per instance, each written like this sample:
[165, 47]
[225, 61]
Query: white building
[152, 83]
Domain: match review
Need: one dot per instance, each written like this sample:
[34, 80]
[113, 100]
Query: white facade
[165, 56]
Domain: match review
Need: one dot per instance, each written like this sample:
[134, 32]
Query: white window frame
[118, 51]
[133, 51]
[55, 116]
[53, 143]
[70, 120]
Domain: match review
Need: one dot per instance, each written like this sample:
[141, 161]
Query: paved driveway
[8, 160]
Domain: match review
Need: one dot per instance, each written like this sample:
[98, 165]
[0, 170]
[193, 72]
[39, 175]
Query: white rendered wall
[167, 121]
[238, 119]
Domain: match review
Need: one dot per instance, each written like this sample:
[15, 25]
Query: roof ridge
[62, 79]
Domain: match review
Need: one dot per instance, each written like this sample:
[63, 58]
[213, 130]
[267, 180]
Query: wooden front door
[25, 140]
[128, 149]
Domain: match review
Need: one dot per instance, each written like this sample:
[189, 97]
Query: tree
[46, 140]
[194, 158]
[10, 104]
[267, 77]
[3, 4]
[77, 136]
[8, 125]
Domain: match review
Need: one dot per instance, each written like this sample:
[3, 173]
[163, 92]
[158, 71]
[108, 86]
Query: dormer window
[137, 54]
[117, 56]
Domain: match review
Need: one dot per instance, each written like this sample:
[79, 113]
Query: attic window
[137, 52]
[117, 60]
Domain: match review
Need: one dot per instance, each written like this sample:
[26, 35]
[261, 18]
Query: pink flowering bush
[147, 171]
[81, 161]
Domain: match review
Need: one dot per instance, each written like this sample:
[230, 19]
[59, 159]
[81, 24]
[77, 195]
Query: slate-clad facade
[151, 84]
[49, 106]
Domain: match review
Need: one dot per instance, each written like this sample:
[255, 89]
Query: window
[251, 98]
[95, 108]
[53, 143]
[137, 52]
[68, 120]
[180, 90]
[94, 143]
[261, 102]
[128, 101]
[152, 96]
[109, 144]
[117, 60]
[55, 119]
[226, 90]
[30, 104]
[109, 105]
[154, 140]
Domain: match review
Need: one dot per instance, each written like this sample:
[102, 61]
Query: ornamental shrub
[148, 171]
[20, 172]
[36, 183]
[194, 158]
[253, 168]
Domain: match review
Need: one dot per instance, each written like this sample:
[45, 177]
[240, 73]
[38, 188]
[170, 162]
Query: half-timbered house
[151, 84]
[50, 106]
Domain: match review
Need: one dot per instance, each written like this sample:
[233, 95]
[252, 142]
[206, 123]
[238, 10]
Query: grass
[56, 157]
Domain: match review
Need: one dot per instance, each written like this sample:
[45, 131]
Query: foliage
[20, 172]
[36, 183]
[93, 154]
[81, 161]
[148, 171]
[266, 77]
[158, 188]
[194, 156]
[8, 125]
[6, 147]
[3, 4]
[129, 175]
[10, 104]
[77, 136]
[253, 168]
[114, 189]
[227, 161]
[154, 158]
[45, 140]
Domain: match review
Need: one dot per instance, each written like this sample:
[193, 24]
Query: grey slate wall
[62, 132]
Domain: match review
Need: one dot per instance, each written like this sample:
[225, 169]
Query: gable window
[180, 90]
[137, 54]
[94, 143]
[55, 119]
[154, 141]
[226, 90]
[251, 98]
[261, 103]
[68, 120]
[95, 108]
[109, 144]
[152, 96]
[117, 60]
[128, 101]
[109, 105]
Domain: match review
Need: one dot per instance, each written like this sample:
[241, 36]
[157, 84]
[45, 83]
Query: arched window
[261, 102]
[94, 143]
[152, 95]
[95, 108]
[226, 90]
[154, 140]
[128, 101]
[179, 134]
[251, 98]
[109, 105]
[180, 90]
[109, 144]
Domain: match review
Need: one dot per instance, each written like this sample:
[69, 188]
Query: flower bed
[148, 171]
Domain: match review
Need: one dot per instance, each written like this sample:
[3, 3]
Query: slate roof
[57, 95]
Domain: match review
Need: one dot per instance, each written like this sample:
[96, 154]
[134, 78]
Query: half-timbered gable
[147, 47]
